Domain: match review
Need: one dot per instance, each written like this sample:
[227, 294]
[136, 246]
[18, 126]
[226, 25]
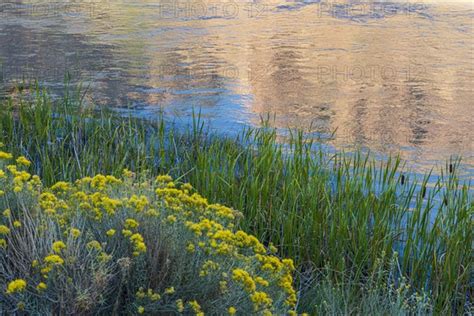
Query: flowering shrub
[119, 245]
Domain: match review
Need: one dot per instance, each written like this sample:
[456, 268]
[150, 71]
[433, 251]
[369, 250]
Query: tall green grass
[342, 217]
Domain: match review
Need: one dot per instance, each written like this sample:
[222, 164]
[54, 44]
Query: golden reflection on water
[389, 76]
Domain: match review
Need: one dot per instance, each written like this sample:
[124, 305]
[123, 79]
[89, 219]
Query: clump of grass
[129, 246]
[380, 293]
[343, 214]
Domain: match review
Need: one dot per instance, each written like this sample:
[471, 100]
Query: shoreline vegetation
[366, 238]
[108, 245]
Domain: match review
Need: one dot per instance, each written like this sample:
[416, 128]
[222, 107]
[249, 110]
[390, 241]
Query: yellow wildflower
[244, 277]
[104, 257]
[260, 299]
[155, 297]
[41, 286]
[261, 281]
[195, 306]
[131, 223]
[169, 290]
[94, 244]
[4, 230]
[171, 218]
[127, 173]
[61, 186]
[5, 156]
[289, 264]
[17, 224]
[164, 179]
[152, 213]
[140, 293]
[47, 200]
[187, 187]
[23, 161]
[138, 243]
[223, 286]
[75, 232]
[138, 202]
[180, 305]
[207, 267]
[16, 286]
[58, 246]
[232, 310]
[110, 232]
[54, 259]
[190, 247]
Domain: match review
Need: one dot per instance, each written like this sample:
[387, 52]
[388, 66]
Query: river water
[392, 77]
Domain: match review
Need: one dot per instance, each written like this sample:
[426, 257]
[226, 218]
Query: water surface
[392, 77]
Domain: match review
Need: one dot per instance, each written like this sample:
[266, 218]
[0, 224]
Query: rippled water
[389, 76]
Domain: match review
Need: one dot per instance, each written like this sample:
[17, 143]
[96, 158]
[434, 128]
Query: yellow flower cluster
[131, 223]
[139, 203]
[169, 290]
[94, 245]
[4, 230]
[110, 232]
[127, 173]
[244, 277]
[164, 179]
[180, 305]
[58, 246]
[75, 232]
[49, 263]
[21, 178]
[5, 156]
[41, 286]
[260, 299]
[151, 216]
[53, 259]
[16, 286]
[23, 161]
[208, 267]
[100, 182]
[61, 186]
[149, 294]
[138, 244]
[196, 308]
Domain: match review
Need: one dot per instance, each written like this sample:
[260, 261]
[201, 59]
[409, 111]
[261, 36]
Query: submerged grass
[343, 218]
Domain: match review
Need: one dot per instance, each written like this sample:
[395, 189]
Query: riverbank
[365, 236]
[124, 246]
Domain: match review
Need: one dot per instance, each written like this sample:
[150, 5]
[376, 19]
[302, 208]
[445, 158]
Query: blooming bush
[129, 245]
